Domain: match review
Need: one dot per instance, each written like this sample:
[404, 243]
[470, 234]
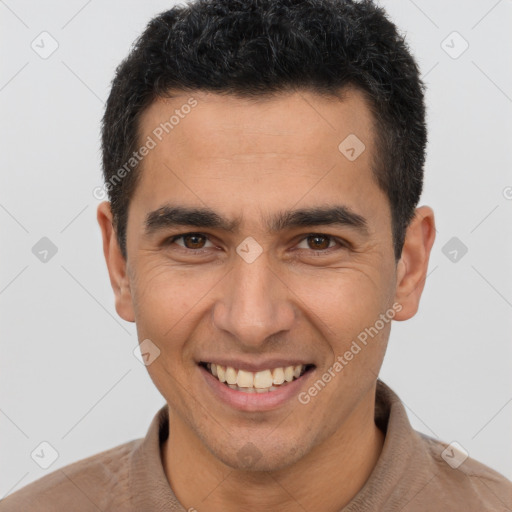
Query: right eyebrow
[169, 216]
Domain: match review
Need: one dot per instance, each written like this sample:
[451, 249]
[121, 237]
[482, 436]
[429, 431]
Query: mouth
[263, 381]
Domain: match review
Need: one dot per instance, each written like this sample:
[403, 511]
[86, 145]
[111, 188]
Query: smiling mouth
[256, 382]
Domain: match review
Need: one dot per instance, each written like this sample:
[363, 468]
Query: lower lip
[254, 401]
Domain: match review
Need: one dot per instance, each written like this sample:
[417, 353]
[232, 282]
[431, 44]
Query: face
[259, 251]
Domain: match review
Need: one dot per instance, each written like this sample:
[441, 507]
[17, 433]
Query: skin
[248, 160]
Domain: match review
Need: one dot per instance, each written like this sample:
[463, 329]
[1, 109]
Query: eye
[191, 241]
[318, 242]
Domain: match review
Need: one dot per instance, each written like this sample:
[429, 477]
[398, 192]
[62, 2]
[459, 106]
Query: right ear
[116, 263]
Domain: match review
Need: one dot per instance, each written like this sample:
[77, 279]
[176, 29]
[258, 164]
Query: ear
[413, 263]
[116, 263]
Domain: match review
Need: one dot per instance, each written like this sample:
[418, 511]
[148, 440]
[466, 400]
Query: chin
[258, 456]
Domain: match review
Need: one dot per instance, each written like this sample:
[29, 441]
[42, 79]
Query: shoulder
[98, 482]
[462, 479]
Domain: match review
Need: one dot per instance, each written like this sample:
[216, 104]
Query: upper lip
[254, 365]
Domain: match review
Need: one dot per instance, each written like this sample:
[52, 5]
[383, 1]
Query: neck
[326, 479]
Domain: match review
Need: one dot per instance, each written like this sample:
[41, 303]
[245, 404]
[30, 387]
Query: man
[264, 162]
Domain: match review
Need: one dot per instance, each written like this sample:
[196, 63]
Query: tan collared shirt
[414, 473]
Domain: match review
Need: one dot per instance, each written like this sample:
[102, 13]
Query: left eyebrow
[169, 216]
[319, 216]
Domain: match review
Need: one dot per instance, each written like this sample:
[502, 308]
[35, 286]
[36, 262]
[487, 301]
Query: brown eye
[318, 242]
[191, 241]
[194, 241]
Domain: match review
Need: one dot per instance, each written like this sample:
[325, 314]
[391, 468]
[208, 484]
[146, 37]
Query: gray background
[68, 375]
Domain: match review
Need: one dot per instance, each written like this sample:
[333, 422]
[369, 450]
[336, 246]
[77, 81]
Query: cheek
[167, 305]
[343, 301]
[167, 300]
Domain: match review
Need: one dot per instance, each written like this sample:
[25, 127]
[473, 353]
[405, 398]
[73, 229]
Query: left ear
[413, 263]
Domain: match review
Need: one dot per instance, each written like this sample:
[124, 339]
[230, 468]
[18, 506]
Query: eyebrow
[169, 216]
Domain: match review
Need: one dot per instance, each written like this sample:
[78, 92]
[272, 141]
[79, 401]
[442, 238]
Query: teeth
[221, 372]
[231, 375]
[277, 375]
[255, 382]
[244, 379]
[263, 379]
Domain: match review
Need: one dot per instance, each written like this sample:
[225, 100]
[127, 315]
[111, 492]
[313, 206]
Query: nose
[254, 304]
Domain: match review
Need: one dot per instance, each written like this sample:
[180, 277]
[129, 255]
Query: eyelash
[321, 252]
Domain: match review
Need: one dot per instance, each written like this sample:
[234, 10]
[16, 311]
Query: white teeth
[245, 379]
[231, 375]
[221, 372]
[263, 379]
[277, 375]
[260, 382]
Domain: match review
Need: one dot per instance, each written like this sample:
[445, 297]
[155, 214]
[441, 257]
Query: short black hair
[258, 48]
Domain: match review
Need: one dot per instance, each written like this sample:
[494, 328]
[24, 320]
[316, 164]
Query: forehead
[283, 119]
[228, 152]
